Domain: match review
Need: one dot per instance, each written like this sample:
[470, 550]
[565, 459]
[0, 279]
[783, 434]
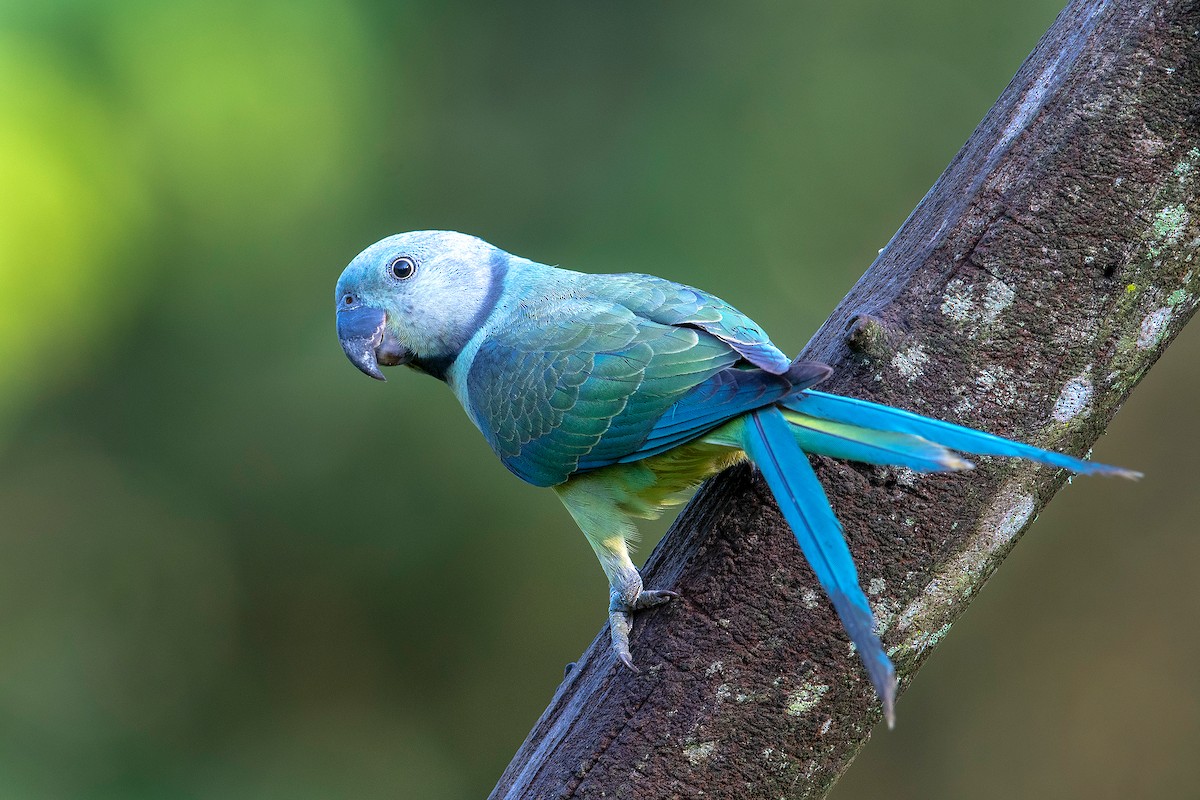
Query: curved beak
[366, 341]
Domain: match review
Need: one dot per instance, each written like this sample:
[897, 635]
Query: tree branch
[1027, 294]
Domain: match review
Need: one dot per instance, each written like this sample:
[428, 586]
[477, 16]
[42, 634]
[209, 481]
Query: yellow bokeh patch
[70, 203]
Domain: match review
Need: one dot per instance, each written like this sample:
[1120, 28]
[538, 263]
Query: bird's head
[416, 298]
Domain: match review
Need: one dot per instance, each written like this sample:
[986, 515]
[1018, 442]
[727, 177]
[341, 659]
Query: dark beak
[366, 341]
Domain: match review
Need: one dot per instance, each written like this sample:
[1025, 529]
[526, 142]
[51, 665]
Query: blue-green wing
[583, 384]
[727, 394]
[670, 303]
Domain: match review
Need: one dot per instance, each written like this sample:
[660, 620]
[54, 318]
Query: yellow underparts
[605, 502]
[643, 489]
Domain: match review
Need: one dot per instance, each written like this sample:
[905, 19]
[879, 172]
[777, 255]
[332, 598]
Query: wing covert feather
[671, 303]
[585, 381]
[586, 378]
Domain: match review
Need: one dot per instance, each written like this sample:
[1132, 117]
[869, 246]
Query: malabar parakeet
[623, 392]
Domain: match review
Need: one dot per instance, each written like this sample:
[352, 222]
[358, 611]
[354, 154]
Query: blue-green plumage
[623, 392]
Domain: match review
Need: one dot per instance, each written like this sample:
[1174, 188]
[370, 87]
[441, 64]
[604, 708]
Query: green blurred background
[233, 567]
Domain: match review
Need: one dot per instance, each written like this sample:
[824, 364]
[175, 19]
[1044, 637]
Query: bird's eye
[402, 268]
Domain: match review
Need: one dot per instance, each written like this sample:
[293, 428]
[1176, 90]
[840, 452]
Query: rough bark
[1027, 294]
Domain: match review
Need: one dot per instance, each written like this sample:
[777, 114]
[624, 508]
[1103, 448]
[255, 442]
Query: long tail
[777, 438]
[768, 439]
[860, 414]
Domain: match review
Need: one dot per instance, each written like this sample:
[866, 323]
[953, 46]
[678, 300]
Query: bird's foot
[621, 608]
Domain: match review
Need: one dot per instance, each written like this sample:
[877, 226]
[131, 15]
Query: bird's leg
[592, 504]
[626, 594]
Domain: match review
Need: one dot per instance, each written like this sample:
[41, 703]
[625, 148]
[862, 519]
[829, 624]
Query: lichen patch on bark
[910, 362]
[805, 698]
[1075, 399]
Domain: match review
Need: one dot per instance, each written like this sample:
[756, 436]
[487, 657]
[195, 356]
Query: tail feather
[768, 440]
[866, 414]
[777, 438]
[855, 443]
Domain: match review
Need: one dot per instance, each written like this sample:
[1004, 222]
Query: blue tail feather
[768, 440]
[885, 418]
[855, 443]
[843, 427]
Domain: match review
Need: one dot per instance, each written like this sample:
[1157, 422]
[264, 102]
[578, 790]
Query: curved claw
[621, 623]
[620, 618]
[653, 597]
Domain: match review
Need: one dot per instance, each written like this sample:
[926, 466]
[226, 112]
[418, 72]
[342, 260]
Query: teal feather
[866, 414]
[669, 303]
[726, 395]
[767, 439]
[552, 402]
[855, 443]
